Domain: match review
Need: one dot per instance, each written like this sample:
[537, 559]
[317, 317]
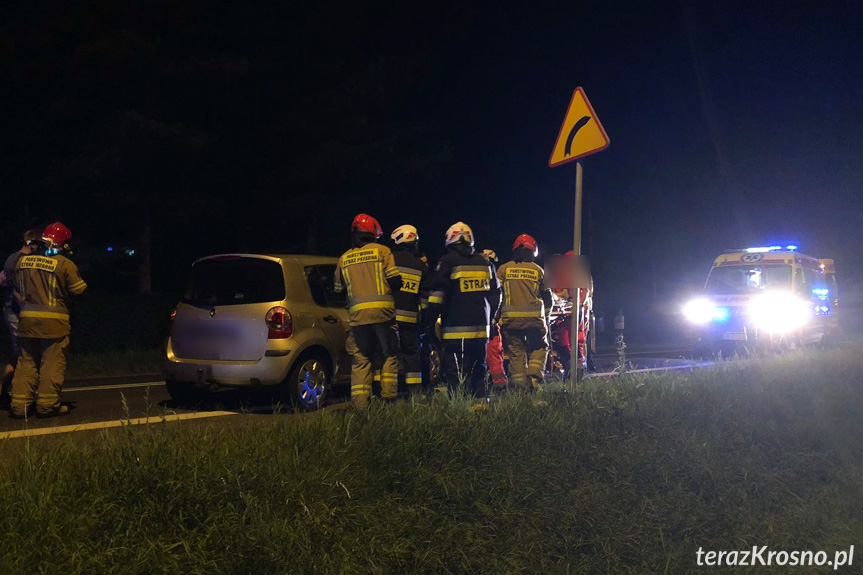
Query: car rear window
[235, 281]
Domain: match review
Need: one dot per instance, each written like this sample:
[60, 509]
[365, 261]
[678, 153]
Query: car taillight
[280, 323]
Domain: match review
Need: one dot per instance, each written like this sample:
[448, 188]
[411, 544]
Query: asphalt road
[105, 402]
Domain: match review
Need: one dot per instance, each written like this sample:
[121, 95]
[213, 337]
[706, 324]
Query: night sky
[266, 128]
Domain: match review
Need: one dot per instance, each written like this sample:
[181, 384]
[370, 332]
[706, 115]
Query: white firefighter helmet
[405, 234]
[459, 232]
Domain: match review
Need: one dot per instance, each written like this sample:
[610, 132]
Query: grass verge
[631, 475]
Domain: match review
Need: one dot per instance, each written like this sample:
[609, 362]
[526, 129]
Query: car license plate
[735, 336]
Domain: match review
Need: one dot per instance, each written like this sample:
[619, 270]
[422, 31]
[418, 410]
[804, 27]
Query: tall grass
[629, 475]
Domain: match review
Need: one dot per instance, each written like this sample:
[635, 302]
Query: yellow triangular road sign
[581, 133]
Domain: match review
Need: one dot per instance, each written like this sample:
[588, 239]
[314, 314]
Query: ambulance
[765, 295]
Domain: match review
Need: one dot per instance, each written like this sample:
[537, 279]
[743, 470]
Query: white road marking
[117, 386]
[678, 352]
[649, 369]
[114, 423]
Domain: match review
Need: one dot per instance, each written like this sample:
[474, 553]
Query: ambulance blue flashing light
[791, 247]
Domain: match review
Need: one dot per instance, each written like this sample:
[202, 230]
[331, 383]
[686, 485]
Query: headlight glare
[779, 313]
[701, 311]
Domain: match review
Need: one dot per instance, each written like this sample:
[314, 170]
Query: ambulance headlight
[701, 311]
[779, 313]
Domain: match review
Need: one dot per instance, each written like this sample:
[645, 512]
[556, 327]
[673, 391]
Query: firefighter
[523, 321]
[44, 285]
[494, 349]
[415, 278]
[10, 307]
[465, 292]
[368, 273]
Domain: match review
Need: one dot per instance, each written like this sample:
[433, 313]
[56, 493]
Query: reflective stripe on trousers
[410, 370]
[405, 316]
[436, 297]
[42, 384]
[363, 341]
[528, 351]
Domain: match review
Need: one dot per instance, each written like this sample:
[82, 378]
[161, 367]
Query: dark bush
[106, 322]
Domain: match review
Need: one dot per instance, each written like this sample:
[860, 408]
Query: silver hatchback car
[249, 320]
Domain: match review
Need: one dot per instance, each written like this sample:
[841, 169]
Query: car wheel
[307, 383]
[183, 392]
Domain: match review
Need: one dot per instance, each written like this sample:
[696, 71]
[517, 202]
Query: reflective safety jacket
[523, 292]
[415, 278]
[365, 272]
[44, 289]
[465, 292]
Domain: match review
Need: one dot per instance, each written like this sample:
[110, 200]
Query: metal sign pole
[575, 314]
[581, 134]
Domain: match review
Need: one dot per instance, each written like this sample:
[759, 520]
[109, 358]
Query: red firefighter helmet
[56, 235]
[367, 224]
[526, 241]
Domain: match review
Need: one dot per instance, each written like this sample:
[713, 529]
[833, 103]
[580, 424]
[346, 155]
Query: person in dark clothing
[465, 292]
[10, 308]
[415, 280]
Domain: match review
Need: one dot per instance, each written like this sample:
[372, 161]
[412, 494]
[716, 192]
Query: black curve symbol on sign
[567, 150]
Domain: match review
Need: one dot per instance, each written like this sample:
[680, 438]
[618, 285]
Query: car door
[331, 312]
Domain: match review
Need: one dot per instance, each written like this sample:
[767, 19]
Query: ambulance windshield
[742, 279]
